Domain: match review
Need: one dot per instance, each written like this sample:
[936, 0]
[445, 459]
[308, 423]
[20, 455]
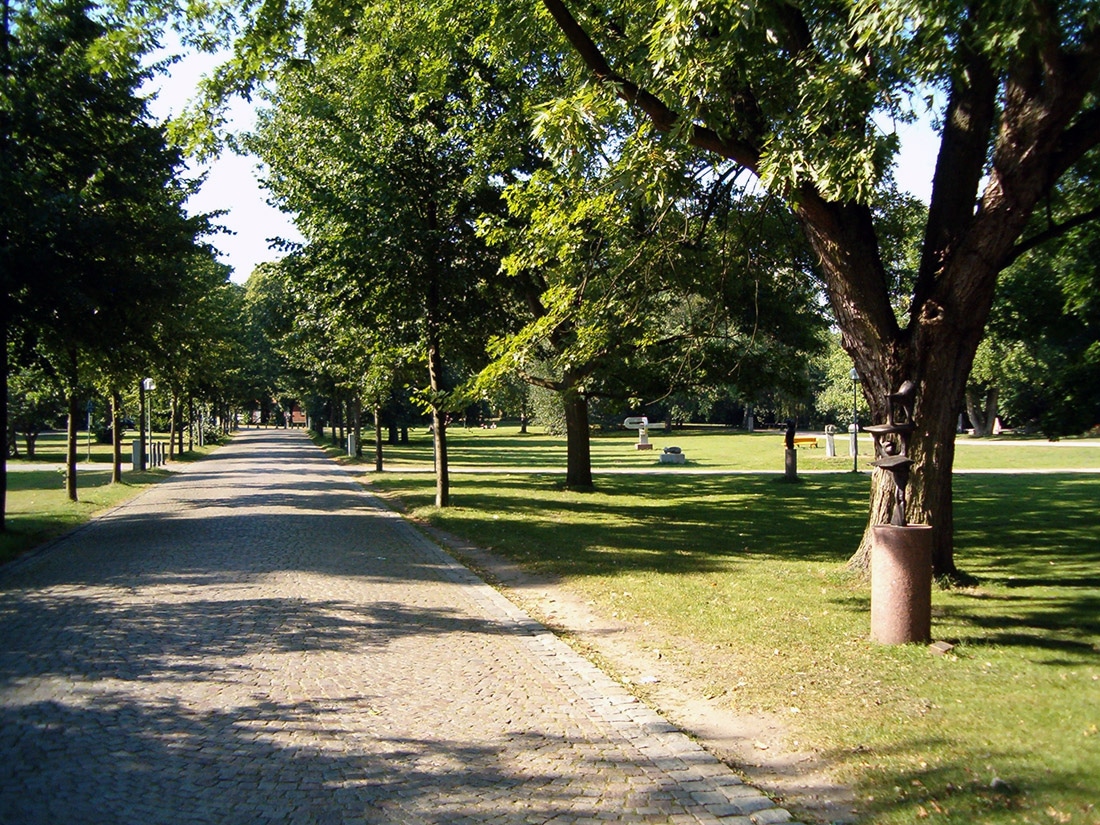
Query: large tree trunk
[982, 417]
[578, 473]
[936, 356]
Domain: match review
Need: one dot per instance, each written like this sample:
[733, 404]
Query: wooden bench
[806, 441]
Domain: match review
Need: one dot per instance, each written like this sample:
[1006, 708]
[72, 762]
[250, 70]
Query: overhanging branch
[662, 117]
[1051, 233]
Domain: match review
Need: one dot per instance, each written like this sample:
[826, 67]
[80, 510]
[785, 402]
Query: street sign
[638, 422]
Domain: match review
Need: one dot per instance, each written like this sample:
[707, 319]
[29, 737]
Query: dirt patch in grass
[755, 745]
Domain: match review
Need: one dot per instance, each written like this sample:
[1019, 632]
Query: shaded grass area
[740, 580]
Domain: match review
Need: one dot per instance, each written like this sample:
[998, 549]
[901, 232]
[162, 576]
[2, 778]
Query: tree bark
[116, 438]
[983, 417]
[378, 439]
[974, 412]
[70, 445]
[172, 426]
[141, 426]
[177, 418]
[358, 425]
[992, 402]
[439, 421]
[4, 366]
[578, 473]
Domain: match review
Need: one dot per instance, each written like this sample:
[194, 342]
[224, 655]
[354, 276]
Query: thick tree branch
[539, 381]
[798, 39]
[968, 126]
[1051, 233]
[662, 117]
[1079, 138]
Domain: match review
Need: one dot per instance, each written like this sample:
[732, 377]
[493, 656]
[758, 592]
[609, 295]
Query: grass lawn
[37, 507]
[715, 449]
[741, 579]
[50, 448]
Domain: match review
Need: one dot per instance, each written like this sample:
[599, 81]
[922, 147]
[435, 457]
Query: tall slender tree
[370, 146]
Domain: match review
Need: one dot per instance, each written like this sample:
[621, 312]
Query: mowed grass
[741, 579]
[715, 448]
[37, 507]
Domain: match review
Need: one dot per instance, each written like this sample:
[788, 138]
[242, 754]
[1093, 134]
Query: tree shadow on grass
[1034, 542]
[646, 523]
[988, 790]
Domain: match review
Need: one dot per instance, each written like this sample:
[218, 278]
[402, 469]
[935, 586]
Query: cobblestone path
[257, 640]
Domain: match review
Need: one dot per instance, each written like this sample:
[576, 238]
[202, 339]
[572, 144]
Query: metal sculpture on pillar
[899, 423]
[790, 461]
[901, 553]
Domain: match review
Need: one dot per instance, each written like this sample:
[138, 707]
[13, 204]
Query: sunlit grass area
[37, 507]
[713, 448]
[50, 448]
[741, 580]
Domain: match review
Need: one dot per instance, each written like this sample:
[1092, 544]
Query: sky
[233, 181]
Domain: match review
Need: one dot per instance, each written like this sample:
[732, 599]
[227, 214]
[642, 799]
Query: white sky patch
[232, 180]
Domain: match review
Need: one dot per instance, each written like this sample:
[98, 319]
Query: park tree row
[600, 138]
[613, 160]
[440, 232]
[107, 280]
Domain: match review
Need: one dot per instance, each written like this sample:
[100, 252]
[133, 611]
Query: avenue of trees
[646, 116]
[107, 279]
[670, 205]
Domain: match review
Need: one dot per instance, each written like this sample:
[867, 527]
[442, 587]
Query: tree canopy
[96, 249]
[803, 97]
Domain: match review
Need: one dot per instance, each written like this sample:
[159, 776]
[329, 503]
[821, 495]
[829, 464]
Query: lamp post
[855, 420]
[90, 408]
[148, 385]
